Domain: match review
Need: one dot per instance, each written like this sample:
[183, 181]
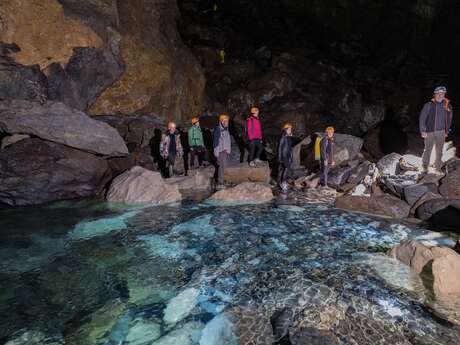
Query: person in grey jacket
[222, 147]
[435, 122]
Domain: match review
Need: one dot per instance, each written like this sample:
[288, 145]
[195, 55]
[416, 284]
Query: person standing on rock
[222, 147]
[435, 122]
[254, 133]
[171, 149]
[327, 154]
[196, 143]
[285, 156]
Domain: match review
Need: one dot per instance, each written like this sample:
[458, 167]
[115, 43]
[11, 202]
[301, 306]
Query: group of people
[435, 122]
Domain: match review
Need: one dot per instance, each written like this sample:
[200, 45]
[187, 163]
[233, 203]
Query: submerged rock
[34, 337]
[33, 171]
[220, 330]
[143, 332]
[385, 205]
[61, 124]
[180, 306]
[313, 336]
[245, 192]
[140, 185]
[188, 334]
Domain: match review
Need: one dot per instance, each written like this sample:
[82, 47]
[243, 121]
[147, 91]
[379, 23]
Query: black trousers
[284, 172]
[255, 149]
[199, 152]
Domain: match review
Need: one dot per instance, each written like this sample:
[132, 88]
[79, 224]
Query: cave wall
[105, 56]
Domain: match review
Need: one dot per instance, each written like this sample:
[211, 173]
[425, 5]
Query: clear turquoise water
[92, 273]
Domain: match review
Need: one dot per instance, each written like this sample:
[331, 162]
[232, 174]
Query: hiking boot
[252, 164]
[284, 187]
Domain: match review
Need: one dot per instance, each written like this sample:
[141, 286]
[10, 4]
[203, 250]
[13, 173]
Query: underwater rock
[389, 164]
[33, 171]
[239, 173]
[188, 334]
[142, 332]
[313, 336]
[385, 205]
[59, 123]
[220, 330]
[140, 185]
[34, 337]
[245, 192]
[180, 306]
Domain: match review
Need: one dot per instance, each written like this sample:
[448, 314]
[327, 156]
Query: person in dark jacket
[171, 150]
[327, 154]
[435, 122]
[222, 147]
[285, 156]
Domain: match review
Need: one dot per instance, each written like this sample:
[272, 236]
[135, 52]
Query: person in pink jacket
[254, 132]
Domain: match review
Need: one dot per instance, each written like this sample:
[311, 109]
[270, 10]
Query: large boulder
[339, 176]
[245, 192]
[443, 213]
[33, 171]
[196, 180]
[413, 254]
[450, 185]
[359, 172]
[59, 123]
[446, 272]
[389, 164]
[385, 205]
[139, 185]
[414, 192]
[239, 173]
[396, 184]
[347, 147]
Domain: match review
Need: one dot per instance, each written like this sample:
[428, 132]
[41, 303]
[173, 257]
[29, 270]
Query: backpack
[317, 148]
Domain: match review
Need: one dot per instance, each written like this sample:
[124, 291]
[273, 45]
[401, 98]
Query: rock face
[245, 192]
[239, 173]
[385, 205]
[140, 185]
[59, 123]
[162, 75]
[33, 171]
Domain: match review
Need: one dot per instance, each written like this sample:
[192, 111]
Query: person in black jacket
[285, 156]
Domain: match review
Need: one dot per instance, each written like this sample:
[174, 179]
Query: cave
[302, 121]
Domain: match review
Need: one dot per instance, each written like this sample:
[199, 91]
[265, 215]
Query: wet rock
[18, 81]
[313, 336]
[220, 330]
[413, 254]
[59, 123]
[12, 139]
[450, 185]
[139, 185]
[245, 192]
[385, 205]
[446, 272]
[239, 173]
[180, 306]
[33, 171]
[34, 337]
[414, 192]
[87, 74]
[389, 164]
[142, 332]
[188, 334]
[441, 212]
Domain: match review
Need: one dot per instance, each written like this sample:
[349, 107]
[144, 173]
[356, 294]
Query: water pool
[88, 272]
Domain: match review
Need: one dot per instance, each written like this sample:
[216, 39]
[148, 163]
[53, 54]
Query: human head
[195, 121]
[255, 111]
[171, 127]
[287, 128]
[330, 131]
[440, 93]
[223, 118]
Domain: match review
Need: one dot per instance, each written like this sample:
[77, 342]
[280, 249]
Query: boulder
[239, 173]
[339, 176]
[443, 213]
[446, 272]
[359, 172]
[347, 147]
[410, 163]
[200, 179]
[424, 198]
[396, 184]
[139, 185]
[413, 254]
[385, 205]
[59, 123]
[245, 192]
[389, 164]
[33, 171]
[414, 192]
[450, 184]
